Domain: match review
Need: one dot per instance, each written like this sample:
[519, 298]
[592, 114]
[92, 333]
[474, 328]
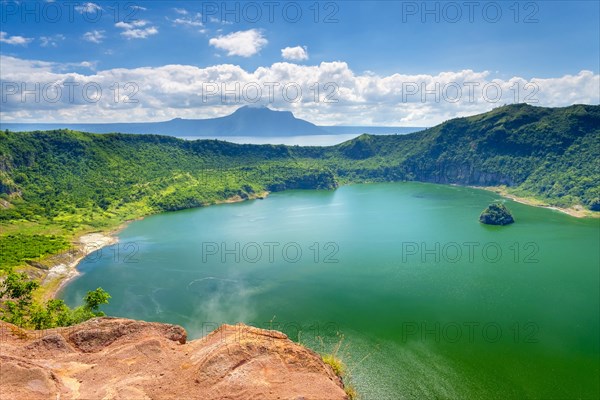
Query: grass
[337, 365]
[339, 368]
[351, 392]
[334, 360]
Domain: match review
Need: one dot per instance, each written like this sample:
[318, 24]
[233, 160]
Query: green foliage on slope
[16, 248]
[65, 182]
[549, 153]
[18, 307]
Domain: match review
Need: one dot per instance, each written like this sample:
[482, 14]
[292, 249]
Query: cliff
[112, 358]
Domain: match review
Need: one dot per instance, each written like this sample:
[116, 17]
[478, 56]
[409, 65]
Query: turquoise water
[428, 302]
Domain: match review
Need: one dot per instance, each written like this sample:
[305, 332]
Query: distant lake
[305, 140]
[335, 134]
[340, 134]
[440, 305]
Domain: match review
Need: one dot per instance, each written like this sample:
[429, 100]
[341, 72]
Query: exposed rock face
[110, 358]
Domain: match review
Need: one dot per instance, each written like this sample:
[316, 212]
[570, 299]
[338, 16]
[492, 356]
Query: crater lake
[419, 298]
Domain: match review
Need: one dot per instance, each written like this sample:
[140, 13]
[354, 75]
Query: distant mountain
[245, 121]
[548, 153]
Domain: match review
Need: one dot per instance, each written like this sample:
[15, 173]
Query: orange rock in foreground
[112, 358]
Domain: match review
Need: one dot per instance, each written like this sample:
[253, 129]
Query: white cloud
[88, 8]
[241, 43]
[94, 36]
[295, 53]
[171, 91]
[15, 40]
[181, 11]
[186, 22]
[87, 64]
[192, 22]
[51, 40]
[136, 29]
[138, 23]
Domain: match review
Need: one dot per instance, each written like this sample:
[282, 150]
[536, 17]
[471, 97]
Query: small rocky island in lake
[496, 214]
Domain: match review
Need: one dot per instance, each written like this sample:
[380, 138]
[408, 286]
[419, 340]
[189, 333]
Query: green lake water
[430, 303]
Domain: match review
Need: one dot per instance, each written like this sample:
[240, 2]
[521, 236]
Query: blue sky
[502, 40]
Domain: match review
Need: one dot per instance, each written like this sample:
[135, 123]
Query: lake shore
[62, 272]
[575, 211]
[64, 269]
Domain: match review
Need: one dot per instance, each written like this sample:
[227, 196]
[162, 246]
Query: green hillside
[63, 183]
[549, 153]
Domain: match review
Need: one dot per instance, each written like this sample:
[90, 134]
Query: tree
[94, 299]
[18, 286]
[18, 307]
[55, 313]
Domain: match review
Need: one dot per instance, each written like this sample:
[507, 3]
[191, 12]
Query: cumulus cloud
[181, 11]
[94, 36]
[295, 53]
[329, 93]
[88, 8]
[136, 29]
[241, 43]
[14, 40]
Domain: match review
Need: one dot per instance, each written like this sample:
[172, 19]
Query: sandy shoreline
[576, 211]
[63, 272]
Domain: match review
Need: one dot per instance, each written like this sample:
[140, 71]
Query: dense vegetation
[496, 214]
[65, 182]
[18, 248]
[18, 307]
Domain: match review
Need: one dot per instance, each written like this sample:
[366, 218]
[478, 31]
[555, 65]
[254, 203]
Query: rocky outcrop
[111, 358]
[496, 214]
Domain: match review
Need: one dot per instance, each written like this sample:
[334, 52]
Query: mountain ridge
[246, 121]
[71, 182]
